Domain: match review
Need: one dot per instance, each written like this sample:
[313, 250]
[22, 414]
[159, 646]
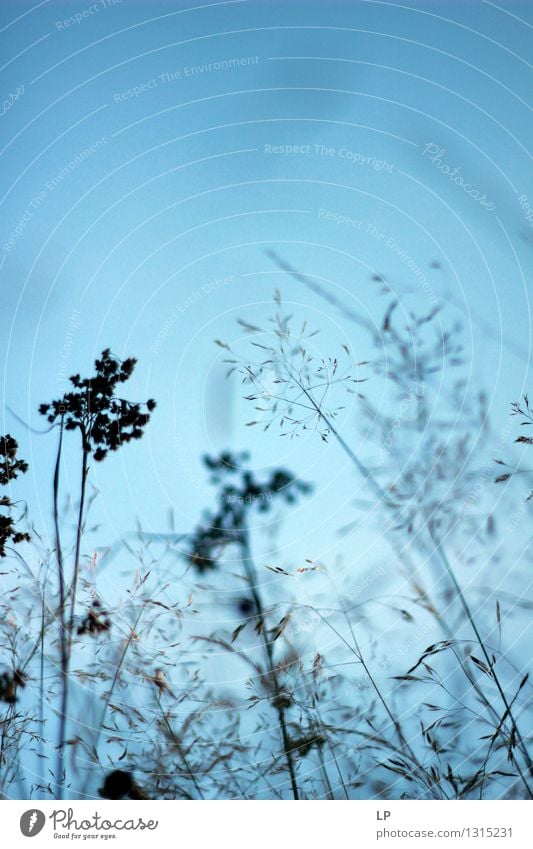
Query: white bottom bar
[268, 824]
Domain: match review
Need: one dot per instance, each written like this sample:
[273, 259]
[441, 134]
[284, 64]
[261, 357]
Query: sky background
[154, 243]
[153, 153]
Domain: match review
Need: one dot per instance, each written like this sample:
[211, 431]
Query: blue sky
[153, 242]
[154, 153]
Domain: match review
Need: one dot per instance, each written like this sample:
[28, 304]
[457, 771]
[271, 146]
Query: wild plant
[342, 720]
[299, 377]
[104, 421]
[10, 467]
[240, 492]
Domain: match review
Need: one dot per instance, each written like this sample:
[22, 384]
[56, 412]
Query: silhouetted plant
[518, 408]
[105, 421]
[96, 621]
[9, 682]
[300, 398]
[240, 492]
[92, 407]
[216, 747]
[409, 356]
[120, 784]
[10, 467]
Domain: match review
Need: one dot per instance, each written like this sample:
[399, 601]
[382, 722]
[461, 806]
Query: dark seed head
[246, 606]
[117, 784]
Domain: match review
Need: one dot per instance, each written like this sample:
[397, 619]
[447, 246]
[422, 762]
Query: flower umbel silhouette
[104, 420]
[10, 468]
[236, 499]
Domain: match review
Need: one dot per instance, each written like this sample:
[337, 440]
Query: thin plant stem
[367, 474]
[118, 667]
[466, 607]
[404, 744]
[315, 712]
[66, 648]
[5, 725]
[378, 490]
[60, 777]
[79, 529]
[325, 775]
[41, 680]
[249, 569]
[380, 493]
[180, 750]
